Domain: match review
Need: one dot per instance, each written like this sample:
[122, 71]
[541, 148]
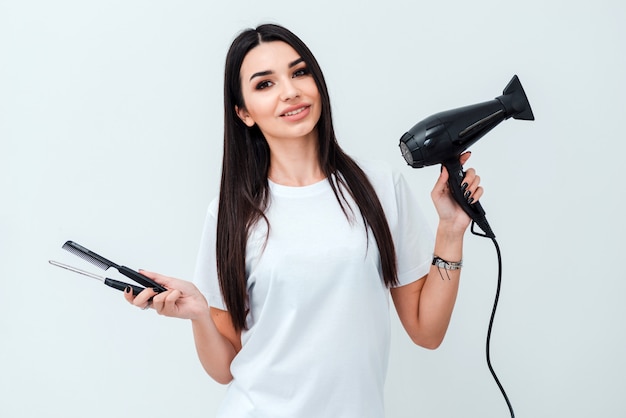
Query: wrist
[447, 264]
[448, 234]
[448, 244]
[201, 314]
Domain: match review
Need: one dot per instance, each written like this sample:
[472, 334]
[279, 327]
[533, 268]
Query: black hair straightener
[105, 264]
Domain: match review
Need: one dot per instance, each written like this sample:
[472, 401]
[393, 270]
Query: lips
[295, 111]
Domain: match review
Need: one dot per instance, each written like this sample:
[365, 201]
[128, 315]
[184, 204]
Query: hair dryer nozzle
[515, 101]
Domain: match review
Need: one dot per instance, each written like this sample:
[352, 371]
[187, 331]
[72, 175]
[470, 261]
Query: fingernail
[467, 194]
[464, 186]
[127, 289]
[156, 289]
[471, 200]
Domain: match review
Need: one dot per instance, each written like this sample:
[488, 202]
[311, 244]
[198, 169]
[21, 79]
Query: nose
[290, 90]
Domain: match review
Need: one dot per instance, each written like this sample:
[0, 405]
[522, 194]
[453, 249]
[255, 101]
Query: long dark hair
[244, 190]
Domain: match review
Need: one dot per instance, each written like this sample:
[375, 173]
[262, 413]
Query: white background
[111, 130]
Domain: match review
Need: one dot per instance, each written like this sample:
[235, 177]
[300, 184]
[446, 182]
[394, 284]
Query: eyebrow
[268, 72]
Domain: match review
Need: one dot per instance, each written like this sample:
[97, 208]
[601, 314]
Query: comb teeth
[87, 255]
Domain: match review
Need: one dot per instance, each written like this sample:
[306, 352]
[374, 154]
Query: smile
[295, 112]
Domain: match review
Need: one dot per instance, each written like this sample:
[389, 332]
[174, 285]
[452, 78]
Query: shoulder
[376, 167]
[213, 207]
[383, 176]
[210, 219]
[400, 204]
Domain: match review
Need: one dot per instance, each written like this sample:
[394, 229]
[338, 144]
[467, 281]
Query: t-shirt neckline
[308, 190]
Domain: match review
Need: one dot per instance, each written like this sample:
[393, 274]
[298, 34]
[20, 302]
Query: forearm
[214, 350]
[440, 290]
[425, 307]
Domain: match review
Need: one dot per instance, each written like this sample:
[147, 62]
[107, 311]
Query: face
[280, 96]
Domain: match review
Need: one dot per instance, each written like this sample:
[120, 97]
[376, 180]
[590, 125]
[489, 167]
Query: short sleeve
[205, 277]
[413, 237]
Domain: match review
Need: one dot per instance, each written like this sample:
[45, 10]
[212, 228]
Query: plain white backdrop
[110, 134]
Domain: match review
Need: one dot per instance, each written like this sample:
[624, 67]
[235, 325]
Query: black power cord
[493, 315]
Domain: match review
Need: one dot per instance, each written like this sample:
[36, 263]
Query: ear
[244, 116]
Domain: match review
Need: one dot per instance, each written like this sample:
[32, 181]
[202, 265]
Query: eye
[300, 72]
[263, 85]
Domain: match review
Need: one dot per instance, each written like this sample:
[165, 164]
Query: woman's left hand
[451, 215]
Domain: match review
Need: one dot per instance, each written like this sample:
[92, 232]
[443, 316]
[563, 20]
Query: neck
[295, 162]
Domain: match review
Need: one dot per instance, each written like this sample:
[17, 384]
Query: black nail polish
[156, 290]
[127, 289]
[464, 186]
[467, 194]
[470, 200]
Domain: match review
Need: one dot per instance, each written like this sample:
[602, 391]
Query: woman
[290, 301]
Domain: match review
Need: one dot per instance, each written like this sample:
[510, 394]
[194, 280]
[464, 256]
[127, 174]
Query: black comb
[101, 262]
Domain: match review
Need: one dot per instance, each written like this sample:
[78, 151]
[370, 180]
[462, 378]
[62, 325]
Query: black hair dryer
[442, 137]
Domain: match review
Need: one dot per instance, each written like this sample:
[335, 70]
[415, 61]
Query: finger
[470, 179]
[473, 183]
[470, 184]
[164, 302]
[464, 157]
[144, 298]
[166, 281]
[473, 193]
[474, 196]
[442, 181]
[169, 305]
[470, 173]
[128, 294]
[158, 301]
[477, 194]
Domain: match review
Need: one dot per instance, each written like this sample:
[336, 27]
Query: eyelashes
[300, 72]
[263, 85]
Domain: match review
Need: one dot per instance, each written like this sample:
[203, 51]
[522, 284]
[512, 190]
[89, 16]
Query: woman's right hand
[181, 300]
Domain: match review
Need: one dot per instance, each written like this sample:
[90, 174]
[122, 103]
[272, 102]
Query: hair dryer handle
[474, 210]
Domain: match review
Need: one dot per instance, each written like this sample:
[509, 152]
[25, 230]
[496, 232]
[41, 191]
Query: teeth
[295, 112]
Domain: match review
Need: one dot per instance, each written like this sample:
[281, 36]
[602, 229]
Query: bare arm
[425, 306]
[216, 341]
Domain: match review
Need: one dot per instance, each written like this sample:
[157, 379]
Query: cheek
[309, 89]
[312, 89]
[318, 99]
[259, 105]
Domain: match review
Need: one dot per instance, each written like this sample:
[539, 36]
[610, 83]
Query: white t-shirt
[317, 343]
